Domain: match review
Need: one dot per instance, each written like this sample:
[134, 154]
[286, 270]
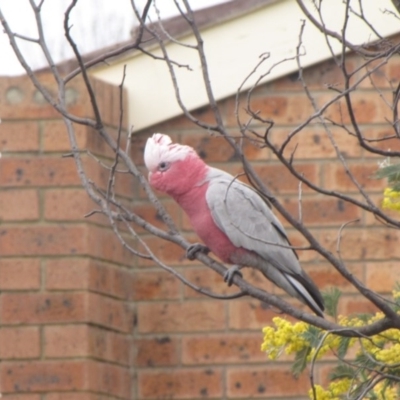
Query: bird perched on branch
[230, 217]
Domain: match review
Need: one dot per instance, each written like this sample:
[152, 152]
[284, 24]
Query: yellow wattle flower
[391, 199]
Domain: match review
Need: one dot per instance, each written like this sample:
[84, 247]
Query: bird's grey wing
[249, 223]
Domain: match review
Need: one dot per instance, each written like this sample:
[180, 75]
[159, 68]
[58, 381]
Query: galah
[230, 217]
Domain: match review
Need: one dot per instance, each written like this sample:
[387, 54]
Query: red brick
[297, 240]
[57, 171]
[109, 379]
[63, 273]
[180, 384]
[154, 285]
[42, 308]
[109, 346]
[31, 105]
[43, 240]
[147, 211]
[385, 72]
[325, 276]
[45, 171]
[98, 146]
[105, 245]
[368, 107]
[317, 77]
[268, 381]
[19, 274]
[322, 210]
[350, 305]
[254, 149]
[43, 376]
[323, 373]
[101, 176]
[380, 276]
[63, 341]
[54, 376]
[108, 101]
[113, 280]
[74, 396]
[204, 114]
[19, 136]
[19, 205]
[386, 140]
[122, 280]
[156, 352]
[191, 316]
[169, 253]
[55, 136]
[63, 240]
[21, 396]
[222, 349]
[67, 205]
[279, 180]
[111, 313]
[99, 378]
[336, 178]
[211, 148]
[21, 342]
[122, 181]
[351, 242]
[257, 279]
[208, 279]
[287, 109]
[249, 314]
[314, 143]
[363, 244]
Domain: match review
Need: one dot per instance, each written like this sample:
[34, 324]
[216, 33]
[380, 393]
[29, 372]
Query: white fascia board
[233, 48]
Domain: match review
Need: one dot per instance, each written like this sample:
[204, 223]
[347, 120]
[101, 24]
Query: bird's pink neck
[189, 191]
[192, 185]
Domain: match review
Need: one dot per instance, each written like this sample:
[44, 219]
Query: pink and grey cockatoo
[231, 218]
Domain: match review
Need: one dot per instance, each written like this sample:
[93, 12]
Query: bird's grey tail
[308, 292]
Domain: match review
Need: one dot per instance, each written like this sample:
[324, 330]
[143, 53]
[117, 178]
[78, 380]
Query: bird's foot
[196, 248]
[230, 273]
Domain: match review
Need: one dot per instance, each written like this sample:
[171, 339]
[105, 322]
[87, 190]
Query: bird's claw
[230, 273]
[195, 248]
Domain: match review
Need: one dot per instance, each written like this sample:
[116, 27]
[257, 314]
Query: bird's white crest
[159, 148]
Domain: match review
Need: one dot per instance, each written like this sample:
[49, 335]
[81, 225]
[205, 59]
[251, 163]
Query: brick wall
[80, 318]
[66, 288]
[190, 346]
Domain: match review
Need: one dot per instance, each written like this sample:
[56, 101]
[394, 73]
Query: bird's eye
[163, 166]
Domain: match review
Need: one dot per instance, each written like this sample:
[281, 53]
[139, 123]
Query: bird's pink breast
[195, 205]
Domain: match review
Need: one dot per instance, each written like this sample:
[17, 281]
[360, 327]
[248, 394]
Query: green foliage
[372, 369]
[312, 336]
[344, 343]
[342, 371]
[331, 299]
[392, 174]
[300, 361]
